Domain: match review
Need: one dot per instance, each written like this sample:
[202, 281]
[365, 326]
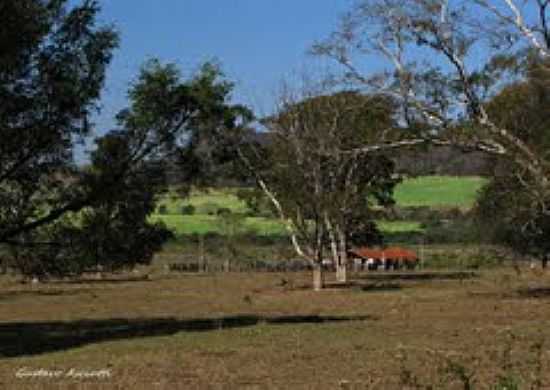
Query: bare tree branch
[519, 22]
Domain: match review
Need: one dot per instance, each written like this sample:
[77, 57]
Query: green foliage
[461, 257]
[324, 189]
[413, 220]
[256, 202]
[188, 209]
[512, 217]
[507, 382]
[52, 69]
[223, 211]
[522, 107]
[114, 233]
[209, 208]
[461, 373]
[513, 205]
[199, 223]
[363, 232]
[231, 224]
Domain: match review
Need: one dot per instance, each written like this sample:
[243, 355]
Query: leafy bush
[223, 211]
[457, 230]
[188, 210]
[509, 216]
[507, 382]
[209, 208]
[257, 203]
[419, 213]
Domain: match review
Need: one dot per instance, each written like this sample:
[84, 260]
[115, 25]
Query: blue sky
[258, 42]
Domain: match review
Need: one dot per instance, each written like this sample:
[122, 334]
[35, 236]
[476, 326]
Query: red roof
[399, 253]
[395, 253]
[367, 253]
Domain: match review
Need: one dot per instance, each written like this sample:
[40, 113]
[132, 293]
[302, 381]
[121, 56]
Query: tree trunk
[334, 249]
[341, 271]
[318, 281]
[202, 262]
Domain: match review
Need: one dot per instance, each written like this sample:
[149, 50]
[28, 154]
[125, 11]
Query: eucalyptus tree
[443, 61]
[323, 190]
[522, 107]
[52, 69]
[58, 217]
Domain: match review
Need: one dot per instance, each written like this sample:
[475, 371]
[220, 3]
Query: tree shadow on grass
[534, 292]
[33, 338]
[382, 287]
[103, 280]
[8, 295]
[423, 275]
[362, 286]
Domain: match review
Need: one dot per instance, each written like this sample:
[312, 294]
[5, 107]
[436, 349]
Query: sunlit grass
[429, 191]
[439, 191]
[202, 224]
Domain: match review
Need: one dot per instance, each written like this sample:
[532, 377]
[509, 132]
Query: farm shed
[391, 257]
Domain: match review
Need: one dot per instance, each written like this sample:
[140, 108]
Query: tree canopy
[514, 216]
[56, 216]
[323, 187]
[463, 74]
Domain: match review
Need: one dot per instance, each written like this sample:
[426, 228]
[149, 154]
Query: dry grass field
[425, 329]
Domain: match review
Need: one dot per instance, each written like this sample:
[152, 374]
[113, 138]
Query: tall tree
[55, 216]
[52, 69]
[523, 108]
[320, 187]
[445, 59]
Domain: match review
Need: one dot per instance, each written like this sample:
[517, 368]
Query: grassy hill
[439, 191]
[205, 202]
[202, 224]
[431, 191]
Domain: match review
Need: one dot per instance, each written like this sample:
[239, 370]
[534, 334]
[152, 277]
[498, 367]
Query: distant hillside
[434, 160]
[443, 161]
[420, 161]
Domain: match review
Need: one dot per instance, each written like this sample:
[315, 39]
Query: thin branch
[273, 199]
[526, 31]
[493, 148]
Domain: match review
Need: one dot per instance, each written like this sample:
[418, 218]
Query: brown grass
[259, 331]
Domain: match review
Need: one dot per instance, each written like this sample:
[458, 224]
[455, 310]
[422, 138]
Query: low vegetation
[436, 192]
[104, 268]
[269, 330]
[439, 191]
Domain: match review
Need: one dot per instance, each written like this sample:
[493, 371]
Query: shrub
[188, 210]
[209, 208]
[223, 211]
[163, 209]
[257, 204]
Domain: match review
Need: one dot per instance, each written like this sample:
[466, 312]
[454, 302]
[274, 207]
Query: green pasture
[204, 201]
[430, 191]
[202, 224]
[439, 191]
